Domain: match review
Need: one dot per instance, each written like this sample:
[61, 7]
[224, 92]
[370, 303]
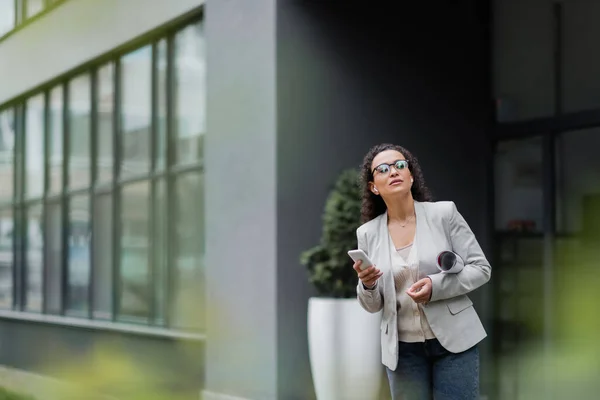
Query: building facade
[164, 163]
[102, 127]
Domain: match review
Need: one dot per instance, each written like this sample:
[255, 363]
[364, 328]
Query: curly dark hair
[372, 205]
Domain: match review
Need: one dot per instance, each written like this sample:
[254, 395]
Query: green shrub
[328, 264]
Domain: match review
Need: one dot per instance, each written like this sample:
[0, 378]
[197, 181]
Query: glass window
[34, 7]
[518, 176]
[136, 112]
[55, 140]
[7, 16]
[7, 146]
[53, 259]
[79, 132]
[79, 253]
[103, 256]
[159, 249]
[34, 147]
[6, 258]
[136, 294]
[105, 101]
[190, 92]
[581, 84]
[523, 57]
[578, 183]
[161, 92]
[34, 258]
[189, 250]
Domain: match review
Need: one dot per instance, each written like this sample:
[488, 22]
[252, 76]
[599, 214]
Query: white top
[412, 323]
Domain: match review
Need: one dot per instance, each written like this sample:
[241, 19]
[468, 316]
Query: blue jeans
[428, 371]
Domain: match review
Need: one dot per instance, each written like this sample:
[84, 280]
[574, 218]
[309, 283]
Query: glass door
[519, 260]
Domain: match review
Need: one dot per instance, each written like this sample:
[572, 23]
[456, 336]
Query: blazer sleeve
[369, 299]
[477, 270]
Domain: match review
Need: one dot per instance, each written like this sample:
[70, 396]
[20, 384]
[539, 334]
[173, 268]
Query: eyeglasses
[385, 168]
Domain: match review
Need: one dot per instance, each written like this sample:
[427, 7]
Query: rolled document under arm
[449, 262]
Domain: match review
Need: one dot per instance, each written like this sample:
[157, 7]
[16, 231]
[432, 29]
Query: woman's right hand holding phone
[369, 276]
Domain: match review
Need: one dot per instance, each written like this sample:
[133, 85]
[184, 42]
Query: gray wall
[51, 349]
[241, 198]
[351, 76]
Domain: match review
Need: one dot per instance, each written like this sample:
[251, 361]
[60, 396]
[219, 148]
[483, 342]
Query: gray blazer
[450, 312]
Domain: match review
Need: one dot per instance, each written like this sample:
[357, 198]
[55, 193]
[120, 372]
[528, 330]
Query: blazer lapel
[383, 237]
[427, 244]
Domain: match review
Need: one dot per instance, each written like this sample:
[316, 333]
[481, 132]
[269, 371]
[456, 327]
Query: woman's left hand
[420, 291]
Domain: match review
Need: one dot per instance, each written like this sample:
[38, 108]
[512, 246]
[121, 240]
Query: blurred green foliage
[328, 264]
[10, 395]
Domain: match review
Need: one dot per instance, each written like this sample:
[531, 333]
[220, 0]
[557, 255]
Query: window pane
[6, 258]
[190, 93]
[34, 7]
[7, 16]
[103, 256]
[159, 248]
[162, 87]
[580, 81]
[523, 60]
[518, 176]
[53, 252]
[55, 140]
[79, 253]
[34, 147]
[136, 295]
[79, 132]
[7, 145]
[136, 111]
[34, 257]
[105, 102]
[189, 251]
[578, 183]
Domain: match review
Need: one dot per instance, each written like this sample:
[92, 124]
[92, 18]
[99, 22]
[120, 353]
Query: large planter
[345, 349]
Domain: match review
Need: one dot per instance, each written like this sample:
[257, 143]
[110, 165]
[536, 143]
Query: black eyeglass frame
[391, 165]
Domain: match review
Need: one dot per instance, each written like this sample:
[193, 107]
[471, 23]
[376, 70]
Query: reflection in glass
[7, 145]
[103, 256]
[34, 7]
[79, 132]
[518, 177]
[190, 93]
[34, 147]
[6, 258]
[136, 112]
[34, 258]
[7, 16]
[105, 103]
[53, 251]
[79, 253]
[136, 293]
[161, 93]
[55, 140]
[189, 251]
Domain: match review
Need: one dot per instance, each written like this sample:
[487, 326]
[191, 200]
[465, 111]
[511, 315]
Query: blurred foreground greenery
[567, 366]
[10, 395]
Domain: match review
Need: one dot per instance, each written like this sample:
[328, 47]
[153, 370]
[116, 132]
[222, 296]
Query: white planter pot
[345, 349]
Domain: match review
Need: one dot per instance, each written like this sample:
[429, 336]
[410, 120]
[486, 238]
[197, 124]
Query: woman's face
[391, 175]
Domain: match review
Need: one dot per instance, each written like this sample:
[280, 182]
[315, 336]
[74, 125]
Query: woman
[429, 328]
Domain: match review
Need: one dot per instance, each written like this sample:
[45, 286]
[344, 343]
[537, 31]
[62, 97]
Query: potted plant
[344, 342]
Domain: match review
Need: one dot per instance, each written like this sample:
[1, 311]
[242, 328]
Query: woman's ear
[373, 188]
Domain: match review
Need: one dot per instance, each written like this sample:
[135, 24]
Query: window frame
[156, 176]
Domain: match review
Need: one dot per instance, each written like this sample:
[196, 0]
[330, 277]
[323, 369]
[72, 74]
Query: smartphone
[358, 254]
